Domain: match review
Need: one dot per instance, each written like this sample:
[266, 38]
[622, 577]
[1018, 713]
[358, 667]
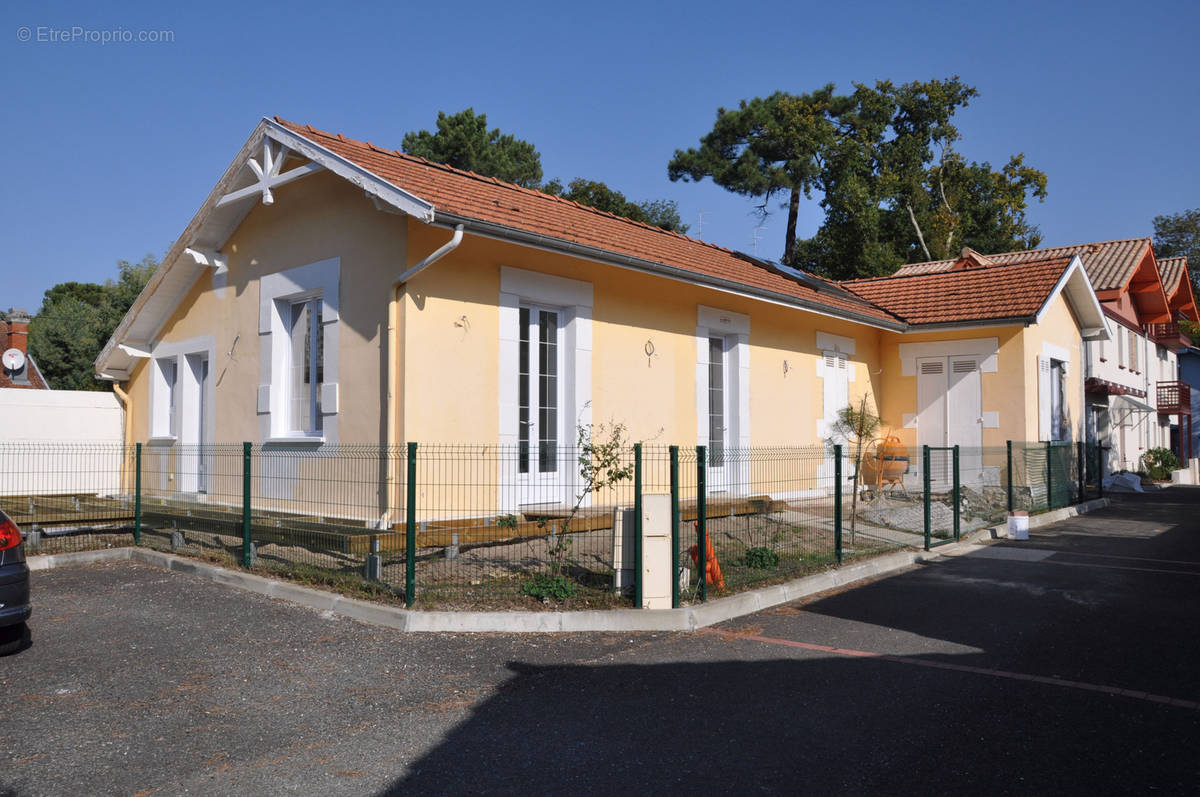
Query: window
[298, 334]
[717, 393]
[1053, 367]
[723, 395]
[538, 389]
[305, 370]
[1133, 350]
[544, 362]
[1058, 420]
[165, 415]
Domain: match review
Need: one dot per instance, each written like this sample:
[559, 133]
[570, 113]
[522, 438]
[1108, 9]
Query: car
[15, 607]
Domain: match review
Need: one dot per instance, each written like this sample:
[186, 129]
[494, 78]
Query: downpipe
[392, 353]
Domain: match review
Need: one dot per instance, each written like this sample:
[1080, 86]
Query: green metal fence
[509, 526]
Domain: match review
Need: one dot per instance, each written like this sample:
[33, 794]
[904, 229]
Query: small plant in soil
[761, 558]
[548, 587]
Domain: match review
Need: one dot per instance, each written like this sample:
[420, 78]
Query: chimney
[18, 330]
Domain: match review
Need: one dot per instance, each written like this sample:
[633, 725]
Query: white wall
[60, 441]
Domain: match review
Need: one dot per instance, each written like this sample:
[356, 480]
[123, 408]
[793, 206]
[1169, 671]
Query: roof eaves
[503, 232]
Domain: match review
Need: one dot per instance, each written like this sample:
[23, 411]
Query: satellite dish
[14, 359]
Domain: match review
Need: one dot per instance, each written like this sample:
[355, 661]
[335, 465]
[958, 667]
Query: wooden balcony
[1168, 334]
[1174, 398]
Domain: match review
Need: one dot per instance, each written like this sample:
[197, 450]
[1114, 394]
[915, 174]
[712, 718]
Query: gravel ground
[145, 682]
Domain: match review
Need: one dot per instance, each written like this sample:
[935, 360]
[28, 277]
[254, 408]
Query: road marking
[1121, 567]
[941, 665]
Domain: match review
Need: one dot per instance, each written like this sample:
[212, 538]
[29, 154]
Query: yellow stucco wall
[314, 219]
[448, 375]
[1058, 327]
[1002, 390]
[452, 380]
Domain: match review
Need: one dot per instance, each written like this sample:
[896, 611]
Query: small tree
[858, 426]
[601, 465]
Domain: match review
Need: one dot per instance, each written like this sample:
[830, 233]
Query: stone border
[689, 618]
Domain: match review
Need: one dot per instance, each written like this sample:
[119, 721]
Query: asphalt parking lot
[1062, 664]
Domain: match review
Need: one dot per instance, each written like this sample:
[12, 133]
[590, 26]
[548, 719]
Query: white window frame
[713, 322]
[574, 300]
[278, 292]
[1051, 353]
[165, 429]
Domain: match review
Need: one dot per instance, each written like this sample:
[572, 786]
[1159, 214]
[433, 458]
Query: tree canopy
[883, 164]
[662, 213]
[1179, 234]
[462, 140]
[76, 319]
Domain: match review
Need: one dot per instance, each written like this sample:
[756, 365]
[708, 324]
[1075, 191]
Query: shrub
[1159, 462]
[761, 558]
[548, 587]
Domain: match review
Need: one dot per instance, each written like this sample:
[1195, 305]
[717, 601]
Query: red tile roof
[1171, 269]
[473, 196]
[983, 293]
[1108, 264]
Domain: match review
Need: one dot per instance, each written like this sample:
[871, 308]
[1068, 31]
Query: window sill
[161, 440]
[296, 439]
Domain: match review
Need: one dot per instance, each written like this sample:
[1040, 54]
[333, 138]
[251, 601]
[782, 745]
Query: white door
[193, 432]
[542, 458]
[964, 410]
[719, 420]
[835, 376]
[932, 390]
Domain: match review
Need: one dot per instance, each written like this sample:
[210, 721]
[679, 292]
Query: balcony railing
[1174, 397]
[1168, 334]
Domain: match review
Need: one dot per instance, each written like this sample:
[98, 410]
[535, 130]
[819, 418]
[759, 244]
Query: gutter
[126, 423]
[501, 232]
[392, 353]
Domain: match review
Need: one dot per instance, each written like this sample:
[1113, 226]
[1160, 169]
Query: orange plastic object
[712, 568]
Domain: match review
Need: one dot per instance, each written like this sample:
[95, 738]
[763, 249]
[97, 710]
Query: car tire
[14, 638]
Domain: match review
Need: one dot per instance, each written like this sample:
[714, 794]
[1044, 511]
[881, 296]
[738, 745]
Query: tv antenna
[758, 228]
[700, 225]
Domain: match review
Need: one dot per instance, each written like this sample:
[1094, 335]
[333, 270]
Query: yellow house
[330, 292]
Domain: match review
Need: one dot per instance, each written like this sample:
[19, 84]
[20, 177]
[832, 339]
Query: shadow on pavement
[817, 725]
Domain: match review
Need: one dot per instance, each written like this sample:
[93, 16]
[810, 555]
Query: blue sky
[112, 147]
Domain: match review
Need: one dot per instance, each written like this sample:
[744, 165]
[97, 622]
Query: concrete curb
[687, 618]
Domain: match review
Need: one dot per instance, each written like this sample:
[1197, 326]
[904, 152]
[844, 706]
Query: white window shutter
[1045, 425]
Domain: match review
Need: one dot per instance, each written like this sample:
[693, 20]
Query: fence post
[137, 496]
[837, 501]
[1010, 478]
[956, 495]
[246, 446]
[701, 524]
[410, 529]
[637, 525]
[1049, 475]
[1079, 464]
[674, 526]
[926, 480]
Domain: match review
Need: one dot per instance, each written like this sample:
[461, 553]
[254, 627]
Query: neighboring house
[1177, 282]
[330, 291]
[1131, 379]
[19, 370]
[1189, 374]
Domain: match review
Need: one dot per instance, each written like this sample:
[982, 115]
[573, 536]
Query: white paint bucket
[1018, 525]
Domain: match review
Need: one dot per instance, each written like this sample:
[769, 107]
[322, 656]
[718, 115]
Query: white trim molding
[735, 327]
[277, 291]
[988, 349]
[836, 343]
[574, 298]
